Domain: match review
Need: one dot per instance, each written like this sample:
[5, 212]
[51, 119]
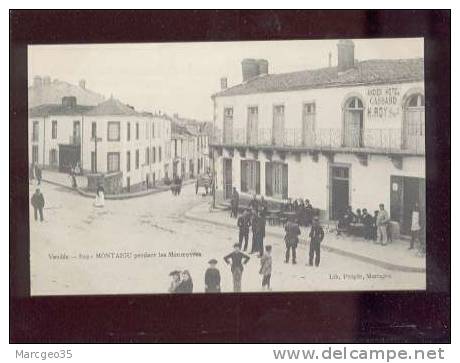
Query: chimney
[38, 81]
[249, 68]
[223, 83]
[46, 81]
[69, 101]
[82, 83]
[346, 55]
[263, 66]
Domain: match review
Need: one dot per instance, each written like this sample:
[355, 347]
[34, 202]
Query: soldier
[212, 277]
[238, 260]
[244, 221]
[291, 239]
[38, 202]
[317, 236]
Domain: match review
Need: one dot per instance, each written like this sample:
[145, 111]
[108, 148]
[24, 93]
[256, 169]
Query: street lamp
[96, 140]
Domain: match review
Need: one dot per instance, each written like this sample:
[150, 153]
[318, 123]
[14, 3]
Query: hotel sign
[383, 102]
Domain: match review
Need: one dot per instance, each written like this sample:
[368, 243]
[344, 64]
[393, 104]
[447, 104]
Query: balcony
[372, 141]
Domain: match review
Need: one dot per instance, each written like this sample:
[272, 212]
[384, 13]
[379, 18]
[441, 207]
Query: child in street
[266, 268]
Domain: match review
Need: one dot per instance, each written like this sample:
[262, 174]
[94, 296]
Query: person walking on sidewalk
[266, 267]
[212, 277]
[415, 226]
[38, 202]
[244, 221]
[292, 240]
[316, 237]
[234, 203]
[382, 221]
[238, 259]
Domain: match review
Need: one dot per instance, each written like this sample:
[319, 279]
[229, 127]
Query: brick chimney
[249, 68]
[223, 83]
[346, 55]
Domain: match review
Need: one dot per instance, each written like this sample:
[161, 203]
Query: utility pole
[96, 140]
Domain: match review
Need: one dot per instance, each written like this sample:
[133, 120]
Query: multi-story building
[108, 139]
[351, 134]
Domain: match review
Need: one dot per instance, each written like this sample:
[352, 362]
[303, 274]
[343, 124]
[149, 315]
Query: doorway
[340, 191]
[69, 156]
[227, 177]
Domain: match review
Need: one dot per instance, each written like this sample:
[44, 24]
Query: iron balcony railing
[382, 140]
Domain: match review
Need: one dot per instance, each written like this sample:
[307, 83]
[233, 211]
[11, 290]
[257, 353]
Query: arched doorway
[414, 122]
[353, 125]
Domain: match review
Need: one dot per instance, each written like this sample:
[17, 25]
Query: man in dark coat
[291, 239]
[234, 203]
[212, 277]
[368, 222]
[238, 259]
[38, 174]
[317, 236]
[244, 222]
[258, 234]
[38, 202]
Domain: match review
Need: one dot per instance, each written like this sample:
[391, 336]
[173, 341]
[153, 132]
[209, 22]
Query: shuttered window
[276, 180]
[250, 176]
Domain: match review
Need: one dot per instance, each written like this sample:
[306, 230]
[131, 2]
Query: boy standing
[212, 277]
[266, 268]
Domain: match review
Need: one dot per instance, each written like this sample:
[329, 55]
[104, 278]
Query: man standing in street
[367, 221]
[38, 174]
[382, 221]
[291, 239]
[212, 277]
[38, 202]
[244, 221]
[415, 226]
[238, 260]
[316, 236]
[234, 203]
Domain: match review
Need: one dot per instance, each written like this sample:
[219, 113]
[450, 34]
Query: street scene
[253, 174]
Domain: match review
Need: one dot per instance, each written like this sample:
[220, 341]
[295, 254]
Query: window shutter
[285, 181]
[268, 179]
[257, 177]
[244, 186]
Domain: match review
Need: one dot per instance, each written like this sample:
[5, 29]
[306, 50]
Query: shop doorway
[340, 191]
[69, 156]
[227, 178]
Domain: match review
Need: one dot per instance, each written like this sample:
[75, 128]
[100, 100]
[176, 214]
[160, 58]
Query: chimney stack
[38, 81]
[346, 55]
[223, 83]
[82, 84]
[263, 66]
[46, 80]
[69, 101]
[249, 68]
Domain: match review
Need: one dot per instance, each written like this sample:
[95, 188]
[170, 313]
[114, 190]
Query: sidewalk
[63, 180]
[394, 256]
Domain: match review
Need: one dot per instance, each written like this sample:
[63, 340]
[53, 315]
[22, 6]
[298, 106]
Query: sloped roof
[365, 72]
[57, 109]
[112, 107]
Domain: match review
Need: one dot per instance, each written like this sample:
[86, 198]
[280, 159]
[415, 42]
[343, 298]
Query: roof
[365, 72]
[179, 130]
[58, 109]
[113, 107]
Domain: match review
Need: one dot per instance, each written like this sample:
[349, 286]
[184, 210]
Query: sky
[181, 77]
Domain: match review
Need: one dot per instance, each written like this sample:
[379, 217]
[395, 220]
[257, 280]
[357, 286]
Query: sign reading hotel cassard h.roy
[383, 102]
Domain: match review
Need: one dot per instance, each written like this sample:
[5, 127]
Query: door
[414, 123]
[228, 125]
[308, 124]
[252, 126]
[278, 125]
[353, 123]
[340, 191]
[227, 178]
[69, 156]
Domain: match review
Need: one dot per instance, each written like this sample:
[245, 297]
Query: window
[228, 125]
[35, 153]
[414, 122]
[159, 154]
[147, 154]
[53, 157]
[276, 180]
[250, 176]
[113, 131]
[175, 148]
[128, 161]
[137, 159]
[54, 129]
[146, 130]
[153, 129]
[137, 130]
[35, 130]
[76, 133]
[113, 162]
[128, 131]
[154, 156]
[252, 125]
[308, 124]
[278, 125]
[353, 123]
[93, 130]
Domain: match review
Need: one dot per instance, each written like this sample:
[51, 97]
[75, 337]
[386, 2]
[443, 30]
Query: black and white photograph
[227, 167]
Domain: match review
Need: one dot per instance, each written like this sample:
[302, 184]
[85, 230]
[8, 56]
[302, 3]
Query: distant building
[110, 138]
[45, 91]
[351, 134]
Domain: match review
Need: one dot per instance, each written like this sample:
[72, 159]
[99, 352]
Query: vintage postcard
[227, 167]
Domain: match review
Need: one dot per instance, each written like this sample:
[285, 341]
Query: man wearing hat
[238, 260]
[38, 202]
[175, 281]
[212, 277]
[244, 221]
[316, 235]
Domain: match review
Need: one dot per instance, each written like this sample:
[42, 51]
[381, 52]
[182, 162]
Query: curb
[370, 260]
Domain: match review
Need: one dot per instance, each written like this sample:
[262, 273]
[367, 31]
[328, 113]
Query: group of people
[176, 186]
[181, 282]
[303, 209]
[254, 220]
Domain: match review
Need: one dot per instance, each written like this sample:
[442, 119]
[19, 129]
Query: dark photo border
[333, 317]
